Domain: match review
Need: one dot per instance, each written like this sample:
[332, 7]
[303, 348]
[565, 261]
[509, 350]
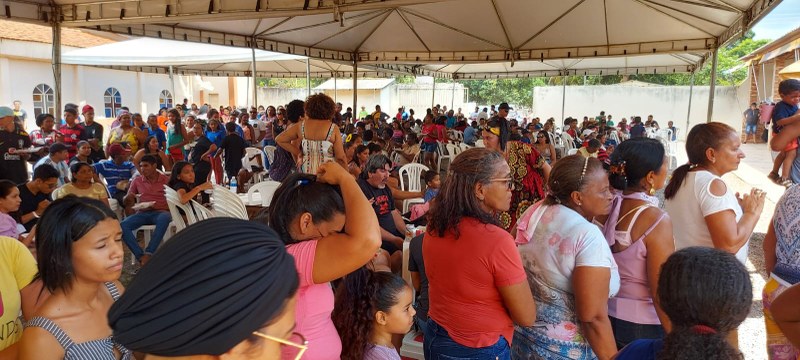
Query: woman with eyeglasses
[477, 283]
[545, 147]
[330, 235]
[529, 170]
[237, 304]
[569, 265]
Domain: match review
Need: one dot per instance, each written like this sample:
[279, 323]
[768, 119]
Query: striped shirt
[114, 173]
[99, 349]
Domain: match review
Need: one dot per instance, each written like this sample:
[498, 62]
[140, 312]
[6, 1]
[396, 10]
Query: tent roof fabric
[423, 32]
[792, 71]
[777, 47]
[156, 55]
[363, 84]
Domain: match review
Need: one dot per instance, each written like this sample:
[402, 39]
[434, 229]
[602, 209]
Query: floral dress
[526, 170]
[554, 240]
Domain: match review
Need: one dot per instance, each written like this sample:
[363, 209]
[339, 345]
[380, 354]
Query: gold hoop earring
[652, 191]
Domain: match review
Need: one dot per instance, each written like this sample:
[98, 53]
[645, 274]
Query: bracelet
[35, 214]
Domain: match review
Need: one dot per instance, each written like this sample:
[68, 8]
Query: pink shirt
[151, 191]
[314, 306]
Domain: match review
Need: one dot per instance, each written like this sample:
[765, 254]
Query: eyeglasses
[509, 182]
[296, 341]
[539, 136]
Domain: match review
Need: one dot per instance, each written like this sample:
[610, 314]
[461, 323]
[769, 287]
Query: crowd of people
[527, 252]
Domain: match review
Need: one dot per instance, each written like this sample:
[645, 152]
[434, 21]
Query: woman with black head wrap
[222, 287]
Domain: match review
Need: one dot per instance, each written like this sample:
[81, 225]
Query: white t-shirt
[690, 206]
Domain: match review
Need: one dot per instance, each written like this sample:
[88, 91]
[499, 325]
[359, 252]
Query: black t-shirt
[416, 264]
[751, 116]
[234, 147]
[383, 204]
[30, 202]
[94, 131]
[200, 148]
[12, 165]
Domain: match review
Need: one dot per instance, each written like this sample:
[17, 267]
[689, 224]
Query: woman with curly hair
[319, 138]
[706, 293]
[370, 308]
[529, 171]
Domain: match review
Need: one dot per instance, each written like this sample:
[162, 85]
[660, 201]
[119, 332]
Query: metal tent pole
[56, 62]
[355, 89]
[764, 82]
[713, 85]
[563, 98]
[755, 81]
[172, 82]
[453, 97]
[335, 86]
[308, 77]
[255, 82]
[689, 112]
[433, 95]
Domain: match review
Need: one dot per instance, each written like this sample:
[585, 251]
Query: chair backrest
[174, 203]
[270, 151]
[464, 146]
[251, 152]
[229, 204]
[266, 189]
[202, 212]
[572, 151]
[411, 177]
[452, 149]
[614, 136]
[479, 143]
[569, 143]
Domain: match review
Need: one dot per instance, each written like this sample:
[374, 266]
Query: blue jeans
[439, 346]
[625, 332]
[750, 128]
[422, 325]
[160, 219]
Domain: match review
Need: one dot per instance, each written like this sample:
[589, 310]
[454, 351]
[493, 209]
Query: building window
[113, 101]
[44, 100]
[165, 100]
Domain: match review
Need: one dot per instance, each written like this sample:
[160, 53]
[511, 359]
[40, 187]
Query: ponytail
[676, 181]
[697, 343]
[361, 294]
[700, 138]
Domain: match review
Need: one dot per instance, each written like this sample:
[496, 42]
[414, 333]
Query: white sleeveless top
[315, 152]
[690, 206]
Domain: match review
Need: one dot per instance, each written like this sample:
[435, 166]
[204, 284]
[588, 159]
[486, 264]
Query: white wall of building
[665, 103]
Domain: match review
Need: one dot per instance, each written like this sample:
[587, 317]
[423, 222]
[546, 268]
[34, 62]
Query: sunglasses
[298, 342]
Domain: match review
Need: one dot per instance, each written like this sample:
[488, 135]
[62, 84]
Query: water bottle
[234, 186]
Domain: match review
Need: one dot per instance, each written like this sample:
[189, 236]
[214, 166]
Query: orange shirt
[464, 275]
[162, 123]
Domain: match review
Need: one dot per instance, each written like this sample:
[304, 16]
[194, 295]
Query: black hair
[150, 159]
[545, 134]
[505, 133]
[359, 149]
[706, 293]
[230, 127]
[55, 237]
[5, 187]
[295, 110]
[368, 135]
[46, 172]
[174, 176]
[441, 120]
[568, 175]
[177, 115]
[301, 193]
[374, 163]
[41, 117]
[374, 148]
[361, 294]
[456, 198]
[594, 144]
[429, 175]
[147, 143]
[633, 159]
[73, 169]
[788, 86]
[701, 138]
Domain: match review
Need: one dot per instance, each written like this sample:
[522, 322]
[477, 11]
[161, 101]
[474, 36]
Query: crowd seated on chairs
[406, 236]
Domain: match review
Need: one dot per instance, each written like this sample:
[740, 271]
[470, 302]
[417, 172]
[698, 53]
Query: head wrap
[206, 290]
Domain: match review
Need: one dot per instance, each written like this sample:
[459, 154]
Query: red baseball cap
[117, 149]
[86, 108]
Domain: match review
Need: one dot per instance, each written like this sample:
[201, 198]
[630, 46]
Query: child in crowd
[370, 308]
[786, 112]
[591, 149]
[9, 203]
[433, 181]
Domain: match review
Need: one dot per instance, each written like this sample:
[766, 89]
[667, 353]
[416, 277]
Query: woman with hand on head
[569, 265]
[80, 262]
[329, 235]
[640, 236]
[476, 279]
[238, 304]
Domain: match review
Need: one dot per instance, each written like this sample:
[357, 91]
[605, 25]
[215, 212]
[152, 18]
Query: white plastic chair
[148, 234]
[411, 180]
[464, 146]
[270, 151]
[479, 143]
[568, 141]
[444, 156]
[572, 151]
[201, 211]
[266, 189]
[250, 153]
[453, 151]
[226, 203]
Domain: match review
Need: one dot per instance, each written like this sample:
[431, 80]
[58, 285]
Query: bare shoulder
[718, 187]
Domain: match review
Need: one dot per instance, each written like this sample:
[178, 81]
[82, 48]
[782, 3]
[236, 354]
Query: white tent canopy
[156, 55]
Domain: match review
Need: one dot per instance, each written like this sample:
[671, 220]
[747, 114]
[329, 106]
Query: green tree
[291, 83]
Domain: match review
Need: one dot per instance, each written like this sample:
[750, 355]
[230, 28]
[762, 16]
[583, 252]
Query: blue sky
[784, 18]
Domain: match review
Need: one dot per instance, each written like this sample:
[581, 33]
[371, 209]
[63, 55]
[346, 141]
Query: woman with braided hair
[706, 293]
[640, 236]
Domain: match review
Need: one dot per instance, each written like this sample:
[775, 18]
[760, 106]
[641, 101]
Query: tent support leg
[335, 87]
[713, 85]
[56, 62]
[453, 97]
[689, 112]
[563, 98]
[433, 94]
[308, 78]
[255, 82]
[355, 90]
[172, 83]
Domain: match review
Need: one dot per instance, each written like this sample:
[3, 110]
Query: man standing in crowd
[373, 183]
[72, 131]
[117, 171]
[266, 126]
[12, 138]
[483, 115]
[379, 116]
[155, 131]
[252, 119]
[58, 159]
[348, 116]
[93, 133]
[35, 195]
[150, 188]
[337, 115]
[363, 113]
[502, 111]
[751, 116]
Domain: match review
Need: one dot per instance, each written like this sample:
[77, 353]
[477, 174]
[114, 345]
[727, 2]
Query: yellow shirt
[585, 153]
[117, 136]
[96, 191]
[17, 269]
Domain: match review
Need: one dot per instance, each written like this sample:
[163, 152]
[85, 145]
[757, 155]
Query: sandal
[773, 176]
[785, 182]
